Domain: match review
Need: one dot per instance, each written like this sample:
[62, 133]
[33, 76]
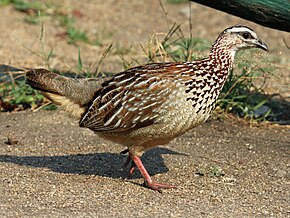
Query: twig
[164, 12]
[37, 109]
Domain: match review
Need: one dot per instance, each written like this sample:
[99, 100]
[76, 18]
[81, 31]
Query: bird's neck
[222, 56]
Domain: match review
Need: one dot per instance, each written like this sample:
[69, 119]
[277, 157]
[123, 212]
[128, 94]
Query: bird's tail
[73, 95]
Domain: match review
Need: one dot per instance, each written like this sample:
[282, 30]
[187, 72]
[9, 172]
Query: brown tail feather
[72, 95]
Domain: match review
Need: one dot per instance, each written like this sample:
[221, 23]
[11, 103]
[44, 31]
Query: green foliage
[18, 96]
[34, 9]
[74, 34]
[5, 2]
[24, 5]
[28, 6]
[215, 171]
[210, 171]
[241, 95]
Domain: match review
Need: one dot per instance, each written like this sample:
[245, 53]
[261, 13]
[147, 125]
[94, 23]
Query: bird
[149, 105]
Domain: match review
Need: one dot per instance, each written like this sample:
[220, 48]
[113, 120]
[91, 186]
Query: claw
[132, 169]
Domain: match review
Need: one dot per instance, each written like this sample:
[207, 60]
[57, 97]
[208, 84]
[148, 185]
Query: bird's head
[239, 37]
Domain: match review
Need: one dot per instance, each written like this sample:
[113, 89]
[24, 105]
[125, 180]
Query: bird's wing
[129, 99]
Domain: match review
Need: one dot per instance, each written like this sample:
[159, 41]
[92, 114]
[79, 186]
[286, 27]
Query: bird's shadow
[101, 164]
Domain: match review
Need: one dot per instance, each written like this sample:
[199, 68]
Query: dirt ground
[53, 168]
[60, 170]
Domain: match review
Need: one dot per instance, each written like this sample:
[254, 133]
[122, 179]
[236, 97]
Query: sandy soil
[57, 169]
[52, 168]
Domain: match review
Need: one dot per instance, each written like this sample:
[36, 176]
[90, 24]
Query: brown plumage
[149, 105]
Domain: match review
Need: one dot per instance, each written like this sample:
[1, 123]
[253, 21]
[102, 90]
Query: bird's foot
[147, 179]
[137, 163]
[157, 186]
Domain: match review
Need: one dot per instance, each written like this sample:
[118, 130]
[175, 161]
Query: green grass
[74, 34]
[5, 2]
[19, 96]
[29, 6]
[210, 171]
[215, 171]
[242, 94]
[37, 10]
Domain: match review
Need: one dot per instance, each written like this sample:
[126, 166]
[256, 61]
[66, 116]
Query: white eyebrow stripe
[239, 29]
[242, 29]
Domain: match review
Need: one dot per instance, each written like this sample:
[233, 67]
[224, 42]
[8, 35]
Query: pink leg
[147, 179]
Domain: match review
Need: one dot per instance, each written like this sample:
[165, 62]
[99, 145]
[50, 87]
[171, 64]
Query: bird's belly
[178, 116]
[175, 117]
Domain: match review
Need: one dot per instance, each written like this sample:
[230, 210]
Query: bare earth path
[57, 169]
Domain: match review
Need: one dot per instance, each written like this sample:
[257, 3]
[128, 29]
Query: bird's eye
[246, 35]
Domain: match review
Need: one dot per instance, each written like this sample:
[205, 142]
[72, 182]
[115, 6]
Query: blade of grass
[105, 53]
[80, 64]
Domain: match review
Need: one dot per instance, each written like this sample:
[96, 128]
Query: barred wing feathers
[128, 100]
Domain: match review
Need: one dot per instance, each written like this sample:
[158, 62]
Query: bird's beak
[260, 44]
